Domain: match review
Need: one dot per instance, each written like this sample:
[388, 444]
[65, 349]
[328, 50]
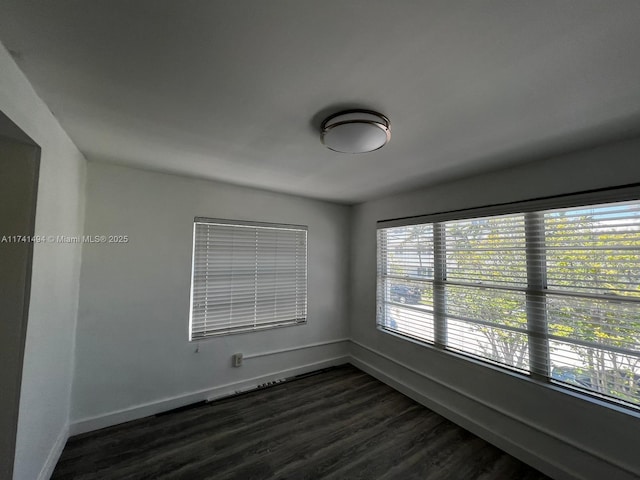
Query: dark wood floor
[339, 424]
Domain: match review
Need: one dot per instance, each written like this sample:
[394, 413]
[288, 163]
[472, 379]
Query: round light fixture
[355, 131]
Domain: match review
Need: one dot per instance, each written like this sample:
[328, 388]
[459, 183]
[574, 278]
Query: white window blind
[553, 293]
[406, 280]
[593, 297]
[247, 276]
[485, 282]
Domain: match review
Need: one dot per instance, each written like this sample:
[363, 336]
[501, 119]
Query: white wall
[133, 357]
[47, 369]
[560, 433]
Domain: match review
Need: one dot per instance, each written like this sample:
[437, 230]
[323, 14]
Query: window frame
[535, 290]
[247, 328]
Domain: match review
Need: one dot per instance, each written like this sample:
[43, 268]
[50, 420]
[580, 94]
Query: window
[247, 277]
[551, 293]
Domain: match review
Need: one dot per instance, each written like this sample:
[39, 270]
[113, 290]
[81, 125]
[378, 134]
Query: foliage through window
[247, 277]
[551, 293]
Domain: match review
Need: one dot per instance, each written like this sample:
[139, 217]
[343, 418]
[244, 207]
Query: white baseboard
[144, 410]
[54, 454]
[494, 425]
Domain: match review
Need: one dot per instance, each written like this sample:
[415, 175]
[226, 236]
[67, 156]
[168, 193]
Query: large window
[552, 293]
[246, 277]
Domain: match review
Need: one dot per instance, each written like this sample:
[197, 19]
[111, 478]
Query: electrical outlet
[236, 359]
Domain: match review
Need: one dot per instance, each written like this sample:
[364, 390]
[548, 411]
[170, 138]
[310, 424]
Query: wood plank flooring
[338, 424]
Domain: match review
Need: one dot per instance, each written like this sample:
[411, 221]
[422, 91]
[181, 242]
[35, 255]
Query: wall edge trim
[54, 454]
[293, 349]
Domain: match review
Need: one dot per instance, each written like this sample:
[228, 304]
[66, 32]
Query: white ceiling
[236, 90]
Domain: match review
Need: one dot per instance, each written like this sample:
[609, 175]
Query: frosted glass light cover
[355, 132]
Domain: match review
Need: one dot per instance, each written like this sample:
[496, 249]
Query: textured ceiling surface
[236, 90]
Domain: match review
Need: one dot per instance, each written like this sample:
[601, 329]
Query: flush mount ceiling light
[355, 131]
